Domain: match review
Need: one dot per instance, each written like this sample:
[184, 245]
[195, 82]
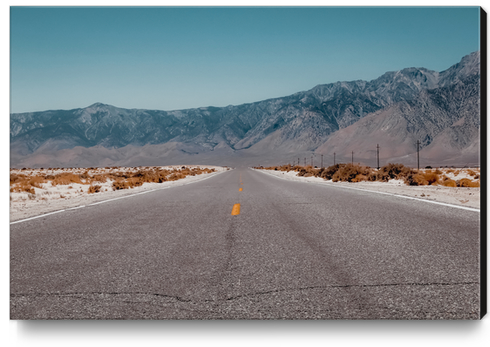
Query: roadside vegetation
[26, 180]
[412, 177]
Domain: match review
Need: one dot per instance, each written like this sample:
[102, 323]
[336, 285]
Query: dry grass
[25, 180]
[465, 182]
[447, 182]
[67, 178]
[94, 189]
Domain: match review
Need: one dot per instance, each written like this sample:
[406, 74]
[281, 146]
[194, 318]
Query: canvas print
[246, 163]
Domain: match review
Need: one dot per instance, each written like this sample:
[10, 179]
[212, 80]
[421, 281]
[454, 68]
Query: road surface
[293, 250]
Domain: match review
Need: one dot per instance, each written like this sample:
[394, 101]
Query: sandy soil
[469, 197]
[53, 198]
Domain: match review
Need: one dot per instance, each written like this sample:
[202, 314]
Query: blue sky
[173, 58]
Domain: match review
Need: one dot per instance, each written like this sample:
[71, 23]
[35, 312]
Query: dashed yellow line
[240, 189]
[236, 210]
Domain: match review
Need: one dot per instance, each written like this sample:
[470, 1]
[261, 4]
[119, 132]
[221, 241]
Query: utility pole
[333, 158]
[312, 161]
[322, 162]
[377, 154]
[352, 157]
[418, 161]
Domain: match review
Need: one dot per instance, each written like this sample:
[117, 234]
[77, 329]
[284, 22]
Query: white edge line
[42, 215]
[385, 193]
[121, 197]
[74, 208]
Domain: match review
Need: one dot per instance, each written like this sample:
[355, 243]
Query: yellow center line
[236, 210]
[240, 189]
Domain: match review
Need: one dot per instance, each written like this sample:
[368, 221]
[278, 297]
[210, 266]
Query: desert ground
[462, 196]
[40, 191]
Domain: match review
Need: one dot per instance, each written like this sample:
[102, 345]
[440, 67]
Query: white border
[242, 333]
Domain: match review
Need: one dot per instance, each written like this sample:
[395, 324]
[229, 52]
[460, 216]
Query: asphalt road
[295, 251]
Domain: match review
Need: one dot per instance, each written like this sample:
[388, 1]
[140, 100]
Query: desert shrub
[161, 176]
[328, 172]
[120, 184]
[36, 181]
[175, 176]
[465, 182]
[146, 176]
[416, 179]
[94, 189]
[431, 177]
[350, 172]
[66, 178]
[187, 172]
[308, 171]
[23, 187]
[392, 171]
[360, 178]
[23, 183]
[99, 178]
[471, 172]
[14, 178]
[301, 171]
[287, 167]
[447, 182]
[428, 167]
[135, 182]
[372, 176]
[422, 178]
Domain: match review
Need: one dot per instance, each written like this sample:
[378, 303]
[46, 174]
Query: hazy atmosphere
[177, 58]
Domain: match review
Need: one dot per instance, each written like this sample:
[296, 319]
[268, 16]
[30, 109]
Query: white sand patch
[52, 198]
[462, 196]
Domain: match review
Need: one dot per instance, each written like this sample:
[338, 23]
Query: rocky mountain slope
[445, 120]
[396, 108]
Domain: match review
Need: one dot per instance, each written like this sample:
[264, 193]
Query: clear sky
[174, 58]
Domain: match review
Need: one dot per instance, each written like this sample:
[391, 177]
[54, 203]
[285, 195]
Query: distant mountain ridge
[429, 102]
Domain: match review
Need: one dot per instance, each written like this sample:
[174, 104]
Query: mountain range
[439, 109]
